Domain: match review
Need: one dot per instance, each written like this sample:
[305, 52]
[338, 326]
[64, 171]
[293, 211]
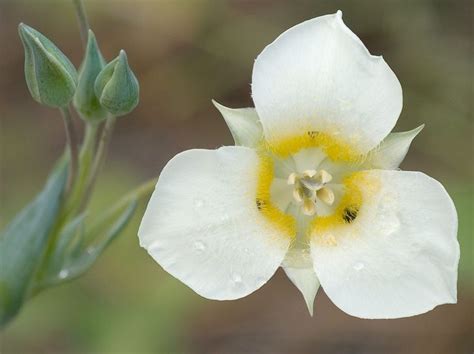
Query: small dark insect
[312, 134]
[260, 203]
[350, 213]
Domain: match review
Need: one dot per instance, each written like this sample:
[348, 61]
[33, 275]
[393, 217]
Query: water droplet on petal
[358, 266]
[63, 274]
[236, 278]
[198, 203]
[199, 246]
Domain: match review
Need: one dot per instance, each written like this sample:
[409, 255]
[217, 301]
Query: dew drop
[344, 104]
[198, 203]
[358, 266]
[199, 246]
[392, 225]
[63, 274]
[236, 278]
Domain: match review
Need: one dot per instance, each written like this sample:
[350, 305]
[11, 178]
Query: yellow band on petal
[334, 148]
[358, 187]
[286, 223]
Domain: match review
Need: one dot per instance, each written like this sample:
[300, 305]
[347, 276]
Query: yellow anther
[323, 176]
[326, 195]
[309, 173]
[309, 208]
[298, 195]
[292, 178]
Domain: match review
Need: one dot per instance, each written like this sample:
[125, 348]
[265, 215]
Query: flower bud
[117, 87]
[50, 76]
[85, 100]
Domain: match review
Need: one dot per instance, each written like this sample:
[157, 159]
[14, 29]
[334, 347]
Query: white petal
[202, 224]
[243, 124]
[318, 76]
[399, 256]
[307, 283]
[393, 149]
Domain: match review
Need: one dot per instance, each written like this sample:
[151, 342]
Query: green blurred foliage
[184, 53]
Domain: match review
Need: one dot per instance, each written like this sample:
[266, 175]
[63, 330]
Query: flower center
[302, 184]
[310, 188]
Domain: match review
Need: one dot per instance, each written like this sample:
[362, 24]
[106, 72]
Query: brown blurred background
[185, 53]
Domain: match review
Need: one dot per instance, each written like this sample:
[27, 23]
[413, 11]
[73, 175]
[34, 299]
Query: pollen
[286, 223]
[333, 146]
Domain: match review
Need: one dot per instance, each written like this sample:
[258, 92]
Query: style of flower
[313, 186]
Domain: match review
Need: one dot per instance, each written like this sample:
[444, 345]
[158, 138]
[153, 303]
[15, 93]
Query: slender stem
[82, 18]
[86, 156]
[99, 159]
[88, 145]
[72, 144]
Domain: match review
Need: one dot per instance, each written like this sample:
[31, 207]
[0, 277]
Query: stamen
[309, 187]
[292, 178]
[309, 173]
[309, 208]
[326, 195]
[324, 176]
[298, 194]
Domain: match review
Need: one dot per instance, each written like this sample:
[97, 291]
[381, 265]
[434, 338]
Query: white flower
[313, 188]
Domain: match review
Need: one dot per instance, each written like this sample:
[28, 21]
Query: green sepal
[117, 87]
[50, 76]
[85, 99]
[24, 242]
[392, 150]
[243, 123]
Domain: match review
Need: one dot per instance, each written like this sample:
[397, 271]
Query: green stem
[88, 151]
[70, 204]
[72, 145]
[88, 145]
[99, 159]
[82, 18]
[85, 162]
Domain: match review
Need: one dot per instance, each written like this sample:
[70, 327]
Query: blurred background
[184, 53]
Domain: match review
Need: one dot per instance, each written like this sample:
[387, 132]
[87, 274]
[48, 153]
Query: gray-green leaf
[24, 241]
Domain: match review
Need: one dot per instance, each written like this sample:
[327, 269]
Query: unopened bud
[85, 100]
[50, 76]
[117, 87]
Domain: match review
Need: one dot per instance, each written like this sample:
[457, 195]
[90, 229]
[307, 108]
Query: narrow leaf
[24, 241]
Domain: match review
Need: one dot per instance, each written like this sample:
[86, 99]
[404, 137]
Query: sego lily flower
[313, 186]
